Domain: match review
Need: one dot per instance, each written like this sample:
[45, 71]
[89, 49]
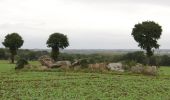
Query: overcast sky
[89, 24]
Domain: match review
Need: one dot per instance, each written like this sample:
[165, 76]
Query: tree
[137, 56]
[13, 41]
[165, 60]
[57, 41]
[2, 54]
[146, 34]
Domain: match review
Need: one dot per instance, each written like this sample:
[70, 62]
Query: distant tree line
[14, 41]
[146, 34]
[22, 54]
[137, 57]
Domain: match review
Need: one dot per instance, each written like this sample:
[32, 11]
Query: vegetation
[57, 41]
[21, 63]
[76, 80]
[30, 54]
[146, 34]
[2, 54]
[13, 41]
[92, 86]
[138, 57]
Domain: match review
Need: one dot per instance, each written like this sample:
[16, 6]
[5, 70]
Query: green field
[20, 85]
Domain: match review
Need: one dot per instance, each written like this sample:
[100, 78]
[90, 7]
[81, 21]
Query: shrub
[128, 64]
[137, 56]
[21, 63]
[84, 63]
[154, 61]
[165, 60]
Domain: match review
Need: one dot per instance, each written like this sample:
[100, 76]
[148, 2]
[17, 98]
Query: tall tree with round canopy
[57, 41]
[146, 34]
[13, 41]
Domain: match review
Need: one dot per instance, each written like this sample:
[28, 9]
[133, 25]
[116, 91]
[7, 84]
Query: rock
[75, 63]
[147, 70]
[150, 70]
[116, 67]
[62, 64]
[81, 62]
[97, 66]
[138, 68]
[46, 61]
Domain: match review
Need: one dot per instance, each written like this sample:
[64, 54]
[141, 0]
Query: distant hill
[104, 51]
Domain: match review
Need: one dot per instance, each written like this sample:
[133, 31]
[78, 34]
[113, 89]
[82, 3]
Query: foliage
[84, 62]
[57, 41]
[137, 56]
[155, 61]
[146, 34]
[30, 54]
[128, 64]
[21, 63]
[81, 86]
[165, 60]
[93, 58]
[13, 41]
[2, 54]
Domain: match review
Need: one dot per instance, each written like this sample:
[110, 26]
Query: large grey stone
[115, 67]
[63, 63]
[46, 61]
[98, 66]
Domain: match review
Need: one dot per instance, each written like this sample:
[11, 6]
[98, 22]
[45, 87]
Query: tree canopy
[13, 41]
[146, 34]
[57, 41]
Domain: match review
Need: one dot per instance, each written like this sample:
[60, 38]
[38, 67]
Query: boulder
[147, 70]
[76, 62]
[97, 66]
[115, 67]
[150, 70]
[81, 62]
[62, 64]
[138, 68]
[46, 61]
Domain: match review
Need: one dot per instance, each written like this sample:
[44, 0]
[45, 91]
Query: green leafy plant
[57, 41]
[13, 41]
[21, 63]
[146, 34]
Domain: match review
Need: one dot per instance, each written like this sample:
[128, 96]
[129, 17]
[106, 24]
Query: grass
[18, 85]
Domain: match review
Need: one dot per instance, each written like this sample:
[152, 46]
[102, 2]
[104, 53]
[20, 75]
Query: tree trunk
[149, 54]
[55, 53]
[12, 58]
[13, 53]
[148, 60]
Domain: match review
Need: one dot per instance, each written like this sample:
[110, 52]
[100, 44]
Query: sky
[89, 24]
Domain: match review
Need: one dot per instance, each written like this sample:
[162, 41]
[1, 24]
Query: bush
[21, 63]
[128, 64]
[2, 54]
[84, 63]
[165, 60]
[137, 56]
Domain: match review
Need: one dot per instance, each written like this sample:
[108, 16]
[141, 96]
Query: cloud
[150, 2]
[88, 23]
